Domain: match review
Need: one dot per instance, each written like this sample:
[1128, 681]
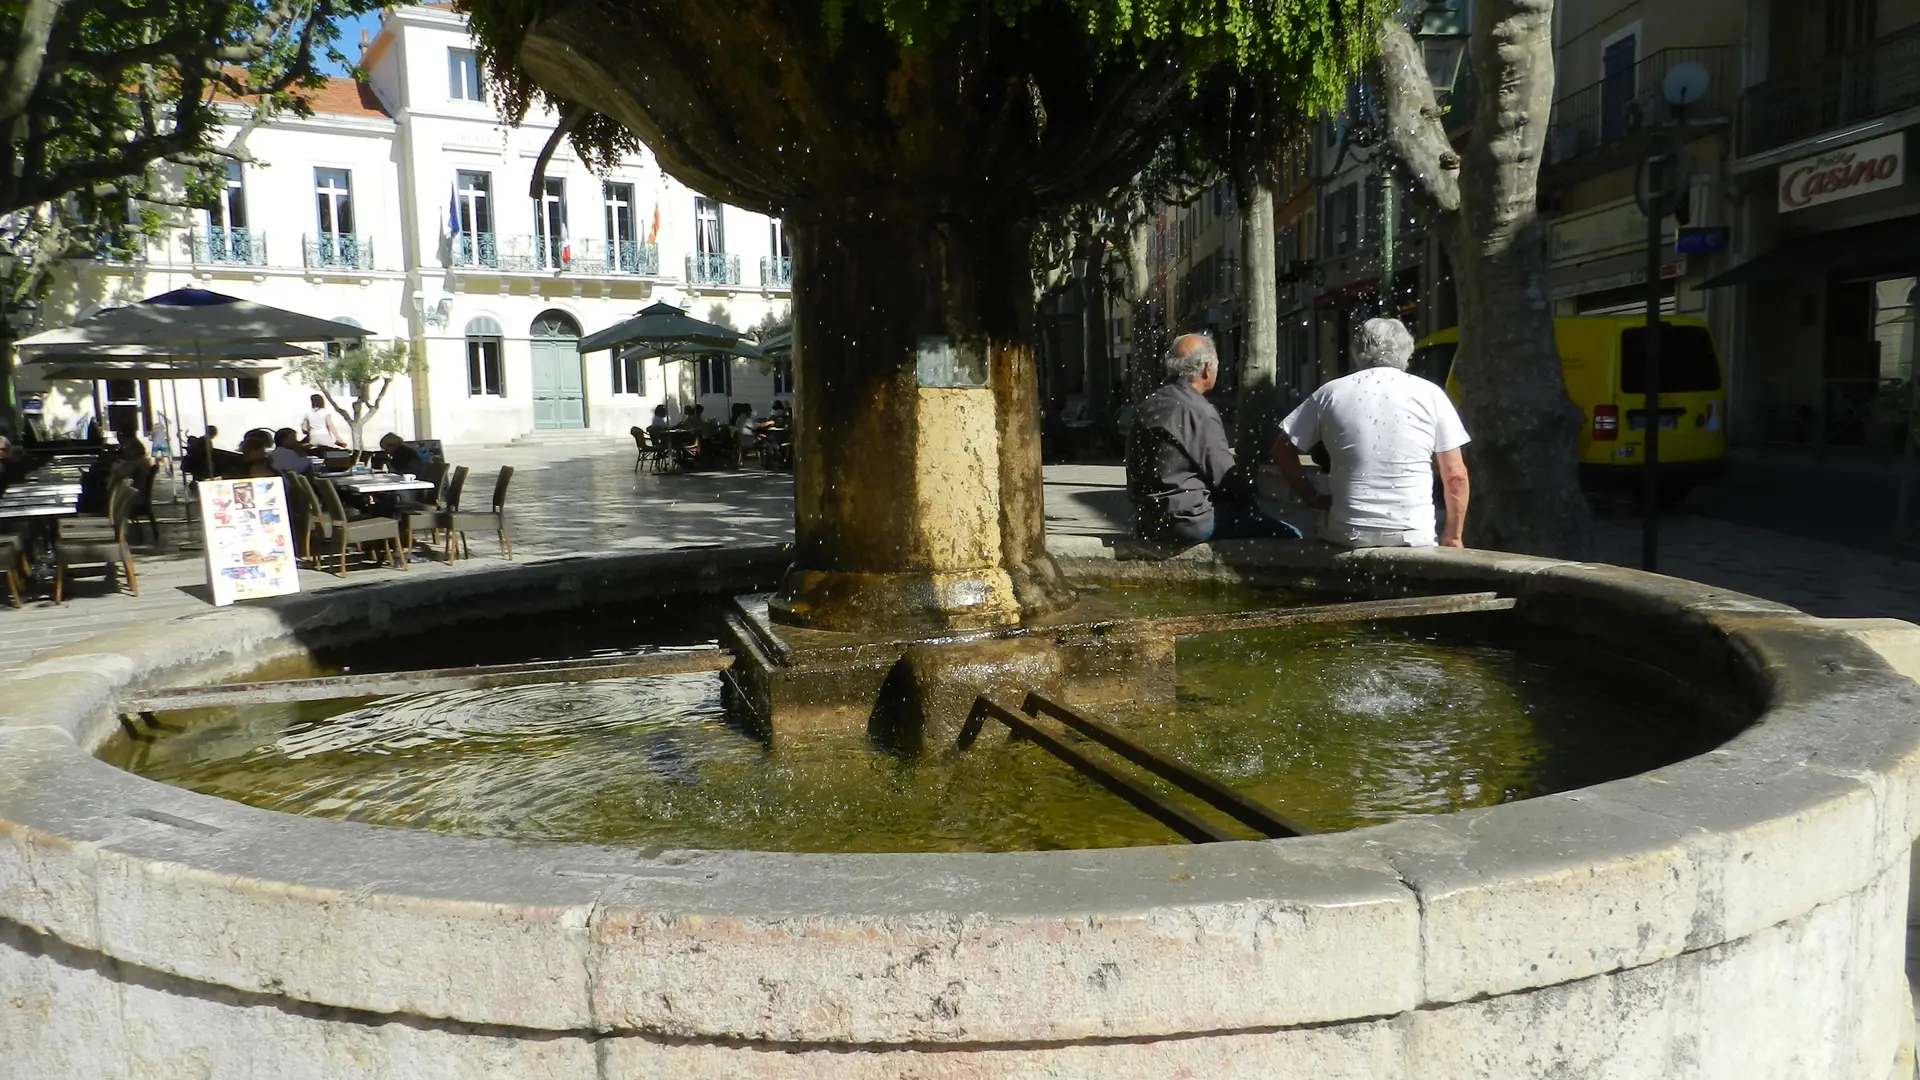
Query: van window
[1687, 364]
[1433, 362]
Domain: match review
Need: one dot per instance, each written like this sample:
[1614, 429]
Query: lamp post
[1441, 30]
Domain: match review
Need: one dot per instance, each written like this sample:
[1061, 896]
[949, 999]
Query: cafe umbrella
[663, 327]
[191, 324]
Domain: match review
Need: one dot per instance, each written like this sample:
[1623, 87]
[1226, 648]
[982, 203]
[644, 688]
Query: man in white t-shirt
[1386, 431]
[320, 428]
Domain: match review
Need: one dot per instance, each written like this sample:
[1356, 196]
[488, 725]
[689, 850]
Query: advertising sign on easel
[248, 542]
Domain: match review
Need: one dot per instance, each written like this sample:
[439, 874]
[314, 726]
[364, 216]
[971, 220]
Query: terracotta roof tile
[339, 97]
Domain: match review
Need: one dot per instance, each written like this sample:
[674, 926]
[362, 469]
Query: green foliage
[363, 368]
[96, 91]
[1300, 52]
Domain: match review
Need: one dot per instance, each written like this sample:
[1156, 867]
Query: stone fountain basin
[1741, 913]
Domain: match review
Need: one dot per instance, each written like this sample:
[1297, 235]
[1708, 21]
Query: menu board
[248, 542]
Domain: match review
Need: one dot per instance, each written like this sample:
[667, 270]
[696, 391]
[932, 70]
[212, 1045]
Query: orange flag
[653, 234]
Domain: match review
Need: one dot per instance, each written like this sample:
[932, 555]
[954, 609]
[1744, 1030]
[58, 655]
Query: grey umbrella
[663, 327]
[188, 321]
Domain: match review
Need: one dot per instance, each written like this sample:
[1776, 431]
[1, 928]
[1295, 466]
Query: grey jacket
[1177, 463]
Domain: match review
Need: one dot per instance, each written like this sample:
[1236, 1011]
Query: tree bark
[917, 485]
[1526, 489]
[1258, 398]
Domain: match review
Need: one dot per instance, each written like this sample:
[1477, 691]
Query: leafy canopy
[357, 367]
[1302, 52]
[93, 92]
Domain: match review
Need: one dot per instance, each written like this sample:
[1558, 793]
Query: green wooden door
[559, 392]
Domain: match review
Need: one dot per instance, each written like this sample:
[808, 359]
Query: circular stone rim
[1809, 804]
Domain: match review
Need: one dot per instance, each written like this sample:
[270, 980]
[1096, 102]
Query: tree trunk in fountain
[904, 173]
[917, 459]
[1255, 423]
[1526, 488]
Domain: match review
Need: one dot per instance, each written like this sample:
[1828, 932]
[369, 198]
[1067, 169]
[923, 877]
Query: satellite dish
[1686, 82]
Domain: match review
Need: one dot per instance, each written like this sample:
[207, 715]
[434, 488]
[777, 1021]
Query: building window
[1619, 57]
[1342, 220]
[623, 243]
[471, 220]
[227, 237]
[463, 75]
[554, 248]
[716, 375]
[629, 374]
[709, 238]
[333, 190]
[233, 389]
[783, 379]
[484, 375]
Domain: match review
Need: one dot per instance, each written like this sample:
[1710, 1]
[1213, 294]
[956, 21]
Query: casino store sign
[1875, 165]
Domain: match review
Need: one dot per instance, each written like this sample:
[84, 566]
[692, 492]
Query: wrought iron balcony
[1608, 113]
[1874, 81]
[776, 272]
[473, 249]
[240, 247]
[339, 251]
[715, 269]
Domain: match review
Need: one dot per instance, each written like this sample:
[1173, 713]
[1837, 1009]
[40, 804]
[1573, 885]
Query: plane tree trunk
[909, 179]
[1483, 198]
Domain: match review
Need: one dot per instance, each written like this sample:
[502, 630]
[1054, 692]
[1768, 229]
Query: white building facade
[402, 205]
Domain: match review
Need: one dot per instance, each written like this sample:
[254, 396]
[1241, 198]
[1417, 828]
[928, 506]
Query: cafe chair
[14, 556]
[347, 529]
[310, 518]
[88, 548]
[461, 522]
[428, 517]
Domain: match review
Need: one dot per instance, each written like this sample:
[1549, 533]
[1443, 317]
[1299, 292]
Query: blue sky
[349, 42]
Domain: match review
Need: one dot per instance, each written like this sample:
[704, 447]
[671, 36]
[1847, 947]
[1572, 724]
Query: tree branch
[29, 54]
[1415, 136]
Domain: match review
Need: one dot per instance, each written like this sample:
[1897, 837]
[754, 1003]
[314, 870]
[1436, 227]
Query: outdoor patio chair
[311, 517]
[347, 529]
[143, 478]
[461, 522]
[90, 549]
[12, 553]
[428, 517]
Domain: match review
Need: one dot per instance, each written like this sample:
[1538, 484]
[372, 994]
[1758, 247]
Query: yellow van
[1602, 359]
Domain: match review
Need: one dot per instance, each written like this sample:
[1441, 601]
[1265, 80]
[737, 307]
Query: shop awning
[1890, 246]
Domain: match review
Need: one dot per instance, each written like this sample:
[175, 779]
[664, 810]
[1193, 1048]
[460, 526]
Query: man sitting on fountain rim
[1385, 431]
[1181, 475]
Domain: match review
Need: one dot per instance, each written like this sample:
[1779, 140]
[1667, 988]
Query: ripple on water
[1338, 726]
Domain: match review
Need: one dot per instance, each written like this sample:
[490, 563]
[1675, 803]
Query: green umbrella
[661, 327]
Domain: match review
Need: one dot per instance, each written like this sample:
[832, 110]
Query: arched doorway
[559, 391]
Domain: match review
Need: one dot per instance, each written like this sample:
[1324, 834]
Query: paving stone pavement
[579, 499]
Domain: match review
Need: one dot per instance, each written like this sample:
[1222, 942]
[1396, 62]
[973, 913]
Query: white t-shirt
[319, 428]
[1382, 428]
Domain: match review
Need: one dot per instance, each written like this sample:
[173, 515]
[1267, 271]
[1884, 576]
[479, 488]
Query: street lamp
[1441, 28]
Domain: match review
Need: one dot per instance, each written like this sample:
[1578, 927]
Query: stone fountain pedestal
[914, 690]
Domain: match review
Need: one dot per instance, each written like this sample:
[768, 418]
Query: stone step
[566, 438]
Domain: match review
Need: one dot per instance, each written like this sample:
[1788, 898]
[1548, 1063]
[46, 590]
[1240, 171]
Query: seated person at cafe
[741, 423]
[781, 417]
[1181, 475]
[402, 458]
[15, 463]
[254, 459]
[123, 461]
[286, 455]
[657, 427]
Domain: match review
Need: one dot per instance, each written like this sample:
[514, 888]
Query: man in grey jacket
[1181, 475]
